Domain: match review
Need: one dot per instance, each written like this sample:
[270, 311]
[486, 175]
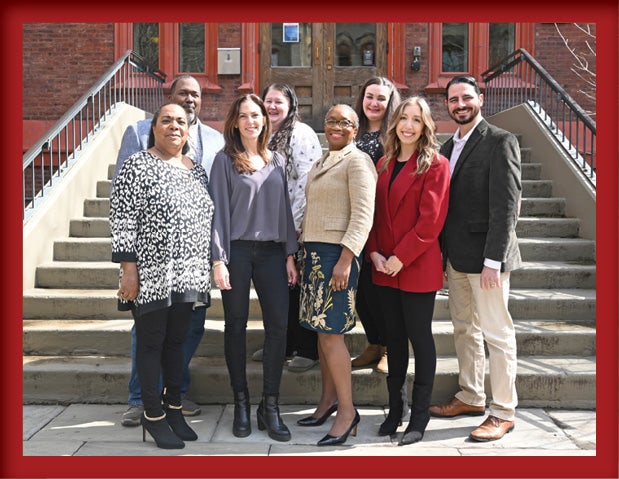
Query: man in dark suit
[204, 143]
[480, 249]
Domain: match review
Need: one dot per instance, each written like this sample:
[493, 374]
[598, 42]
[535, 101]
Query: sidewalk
[95, 430]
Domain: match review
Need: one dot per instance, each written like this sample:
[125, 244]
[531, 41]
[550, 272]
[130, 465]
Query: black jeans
[300, 339]
[264, 263]
[159, 353]
[408, 317]
[367, 303]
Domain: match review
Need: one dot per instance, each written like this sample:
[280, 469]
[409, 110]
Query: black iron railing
[130, 81]
[518, 79]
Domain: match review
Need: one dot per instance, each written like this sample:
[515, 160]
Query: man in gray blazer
[480, 249]
[204, 143]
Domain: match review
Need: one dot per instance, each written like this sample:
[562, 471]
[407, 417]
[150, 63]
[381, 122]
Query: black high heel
[179, 426]
[317, 421]
[162, 433]
[330, 440]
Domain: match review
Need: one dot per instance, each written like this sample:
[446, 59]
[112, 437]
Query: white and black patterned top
[370, 143]
[160, 217]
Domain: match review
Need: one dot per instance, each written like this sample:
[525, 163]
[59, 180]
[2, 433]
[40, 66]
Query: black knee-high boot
[241, 427]
[420, 414]
[396, 406]
[268, 417]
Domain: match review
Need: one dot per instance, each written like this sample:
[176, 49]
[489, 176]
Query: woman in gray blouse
[253, 239]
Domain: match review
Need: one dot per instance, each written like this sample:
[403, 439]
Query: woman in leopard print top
[160, 219]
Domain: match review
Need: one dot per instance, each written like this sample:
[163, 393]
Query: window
[472, 48]
[174, 48]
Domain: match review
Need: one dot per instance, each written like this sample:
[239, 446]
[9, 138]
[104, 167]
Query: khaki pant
[477, 315]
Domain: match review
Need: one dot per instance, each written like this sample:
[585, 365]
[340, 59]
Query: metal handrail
[519, 78]
[129, 80]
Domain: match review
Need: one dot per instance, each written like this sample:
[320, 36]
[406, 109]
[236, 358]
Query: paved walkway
[95, 430]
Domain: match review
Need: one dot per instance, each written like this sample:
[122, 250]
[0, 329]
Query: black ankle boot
[396, 406]
[420, 414]
[241, 427]
[177, 422]
[268, 417]
[163, 435]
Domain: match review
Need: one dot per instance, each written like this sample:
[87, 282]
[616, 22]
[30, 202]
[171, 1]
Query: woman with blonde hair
[412, 195]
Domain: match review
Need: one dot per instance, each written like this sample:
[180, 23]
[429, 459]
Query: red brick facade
[62, 60]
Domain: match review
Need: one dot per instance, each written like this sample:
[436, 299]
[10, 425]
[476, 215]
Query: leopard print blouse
[160, 217]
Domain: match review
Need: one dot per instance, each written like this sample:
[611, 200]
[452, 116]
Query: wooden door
[326, 63]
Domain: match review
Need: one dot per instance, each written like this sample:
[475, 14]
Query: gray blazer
[340, 194]
[484, 199]
[135, 139]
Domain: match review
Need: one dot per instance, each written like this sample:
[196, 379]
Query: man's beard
[467, 120]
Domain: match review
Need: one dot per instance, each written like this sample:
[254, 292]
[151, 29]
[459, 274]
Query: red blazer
[407, 221]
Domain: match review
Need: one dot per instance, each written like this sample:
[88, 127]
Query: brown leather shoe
[492, 429]
[371, 355]
[455, 407]
[383, 363]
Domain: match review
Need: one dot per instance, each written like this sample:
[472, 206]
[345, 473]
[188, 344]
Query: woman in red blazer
[412, 195]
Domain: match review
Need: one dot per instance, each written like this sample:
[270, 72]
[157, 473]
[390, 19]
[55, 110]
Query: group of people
[368, 230]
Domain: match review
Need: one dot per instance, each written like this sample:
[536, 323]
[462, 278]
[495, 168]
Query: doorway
[326, 63]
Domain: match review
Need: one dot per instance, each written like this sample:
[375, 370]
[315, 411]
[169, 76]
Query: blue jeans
[194, 336]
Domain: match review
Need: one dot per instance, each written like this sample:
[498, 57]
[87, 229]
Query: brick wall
[61, 61]
[552, 53]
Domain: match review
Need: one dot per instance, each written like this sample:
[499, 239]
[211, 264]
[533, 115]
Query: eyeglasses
[343, 124]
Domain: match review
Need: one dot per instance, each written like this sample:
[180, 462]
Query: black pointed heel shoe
[317, 421]
[162, 433]
[179, 425]
[330, 440]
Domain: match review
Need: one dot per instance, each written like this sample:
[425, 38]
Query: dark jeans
[194, 336]
[159, 353]
[264, 263]
[300, 339]
[408, 317]
[368, 306]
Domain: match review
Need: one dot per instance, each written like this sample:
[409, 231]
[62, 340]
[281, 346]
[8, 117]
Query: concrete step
[113, 338]
[104, 275]
[553, 274]
[531, 249]
[547, 207]
[549, 304]
[530, 171]
[100, 206]
[89, 227]
[531, 227]
[536, 188]
[542, 381]
[527, 227]
[555, 249]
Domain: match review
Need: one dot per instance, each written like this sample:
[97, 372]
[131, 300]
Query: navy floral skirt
[323, 309]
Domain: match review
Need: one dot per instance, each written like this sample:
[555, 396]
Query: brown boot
[371, 355]
[382, 366]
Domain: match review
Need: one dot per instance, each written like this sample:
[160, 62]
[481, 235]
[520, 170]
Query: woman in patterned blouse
[160, 220]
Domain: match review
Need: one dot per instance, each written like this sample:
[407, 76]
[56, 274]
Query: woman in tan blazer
[338, 217]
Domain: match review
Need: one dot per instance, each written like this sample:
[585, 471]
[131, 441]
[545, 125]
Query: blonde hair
[427, 145]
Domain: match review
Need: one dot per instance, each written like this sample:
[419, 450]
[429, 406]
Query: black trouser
[408, 317]
[368, 306]
[264, 262]
[300, 339]
[159, 353]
